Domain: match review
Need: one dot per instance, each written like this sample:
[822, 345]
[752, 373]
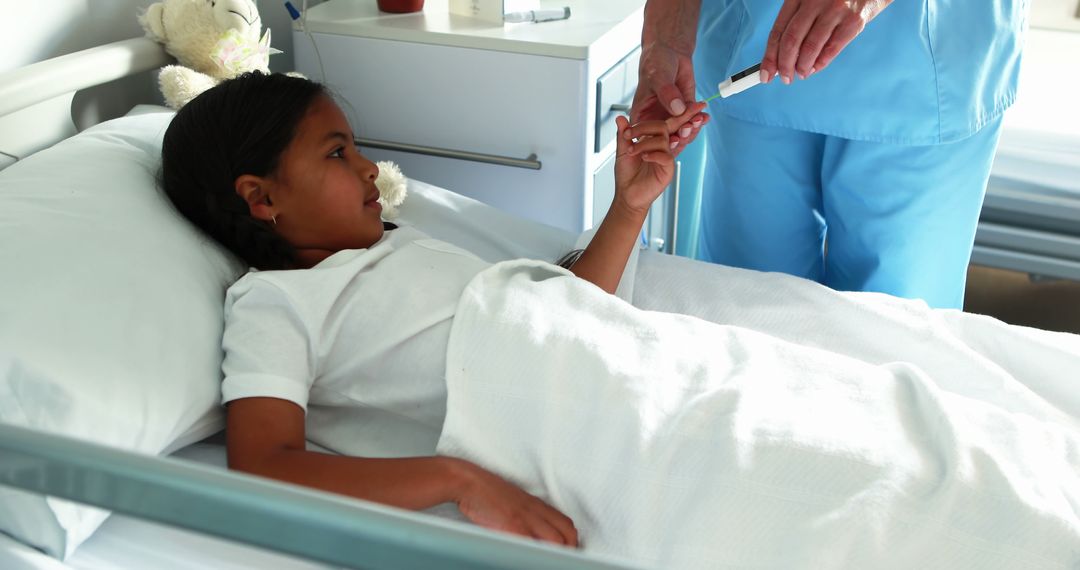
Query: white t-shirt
[358, 341]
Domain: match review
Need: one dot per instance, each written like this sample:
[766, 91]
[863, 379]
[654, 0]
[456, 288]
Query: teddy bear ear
[153, 21]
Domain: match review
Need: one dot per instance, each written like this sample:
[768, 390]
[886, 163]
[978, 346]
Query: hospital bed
[1030, 220]
[187, 510]
[174, 504]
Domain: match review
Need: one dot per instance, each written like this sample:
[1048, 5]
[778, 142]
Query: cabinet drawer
[614, 93]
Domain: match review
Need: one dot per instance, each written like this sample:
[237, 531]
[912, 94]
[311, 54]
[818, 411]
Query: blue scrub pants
[896, 219]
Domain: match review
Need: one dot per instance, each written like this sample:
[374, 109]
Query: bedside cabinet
[520, 116]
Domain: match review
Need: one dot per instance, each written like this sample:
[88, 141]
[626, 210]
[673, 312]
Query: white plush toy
[211, 40]
[392, 186]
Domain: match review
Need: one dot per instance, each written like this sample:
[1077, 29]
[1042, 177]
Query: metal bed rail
[1029, 229]
[317, 526]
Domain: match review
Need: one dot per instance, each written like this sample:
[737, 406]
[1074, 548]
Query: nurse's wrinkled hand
[666, 90]
[808, 34]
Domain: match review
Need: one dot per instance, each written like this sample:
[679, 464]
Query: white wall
[34, 30]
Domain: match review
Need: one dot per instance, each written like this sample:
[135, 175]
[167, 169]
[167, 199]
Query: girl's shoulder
[265, 285]
[291, 284]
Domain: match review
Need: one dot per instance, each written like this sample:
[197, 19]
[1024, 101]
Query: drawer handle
[620, 108]
[530, 162]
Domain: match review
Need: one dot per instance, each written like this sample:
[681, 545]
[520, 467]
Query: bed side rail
[295, 520]
[36, 100]
[44, 80]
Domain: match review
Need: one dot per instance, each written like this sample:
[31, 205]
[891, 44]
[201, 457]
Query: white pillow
[110, 311]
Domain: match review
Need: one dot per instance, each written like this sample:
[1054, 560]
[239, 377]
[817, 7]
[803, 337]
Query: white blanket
[682, 443]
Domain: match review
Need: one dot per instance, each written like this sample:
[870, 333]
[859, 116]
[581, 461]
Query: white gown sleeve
[268, 348]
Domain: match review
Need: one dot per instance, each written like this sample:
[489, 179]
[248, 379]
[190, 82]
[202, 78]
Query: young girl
[347, 320]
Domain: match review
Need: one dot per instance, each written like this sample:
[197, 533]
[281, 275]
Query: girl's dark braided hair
[241, 126]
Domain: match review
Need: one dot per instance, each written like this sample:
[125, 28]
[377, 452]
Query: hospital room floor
[1014, 298]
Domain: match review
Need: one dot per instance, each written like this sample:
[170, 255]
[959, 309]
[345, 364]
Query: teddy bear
[212, 40]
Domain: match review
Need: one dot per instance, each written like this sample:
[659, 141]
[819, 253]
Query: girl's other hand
[492, 502]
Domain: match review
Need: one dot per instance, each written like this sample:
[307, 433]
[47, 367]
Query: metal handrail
[41, 81]
[530, 162]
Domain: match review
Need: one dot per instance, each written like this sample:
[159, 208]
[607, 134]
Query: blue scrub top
[922, 72]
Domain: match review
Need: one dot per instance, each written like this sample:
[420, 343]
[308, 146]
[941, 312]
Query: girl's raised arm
[644, 166]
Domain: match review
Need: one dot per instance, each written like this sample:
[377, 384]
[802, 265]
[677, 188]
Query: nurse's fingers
[791, 41]
[769, 63]
[679, 142]
[815, 41]
[683, 121]
[845, 31]
[671, 98]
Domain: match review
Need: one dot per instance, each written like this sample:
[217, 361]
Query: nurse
[862, 161]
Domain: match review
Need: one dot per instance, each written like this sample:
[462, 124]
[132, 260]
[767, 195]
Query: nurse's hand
[665, 90]
[808, 34]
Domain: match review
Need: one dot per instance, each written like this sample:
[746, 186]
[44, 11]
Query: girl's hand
[492, 502]
[644, 163]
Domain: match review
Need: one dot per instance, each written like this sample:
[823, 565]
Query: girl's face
[323, 194]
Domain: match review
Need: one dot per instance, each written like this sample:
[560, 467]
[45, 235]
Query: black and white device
[741, 81]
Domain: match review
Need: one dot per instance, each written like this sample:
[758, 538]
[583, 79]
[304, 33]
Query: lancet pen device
[739, 82]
